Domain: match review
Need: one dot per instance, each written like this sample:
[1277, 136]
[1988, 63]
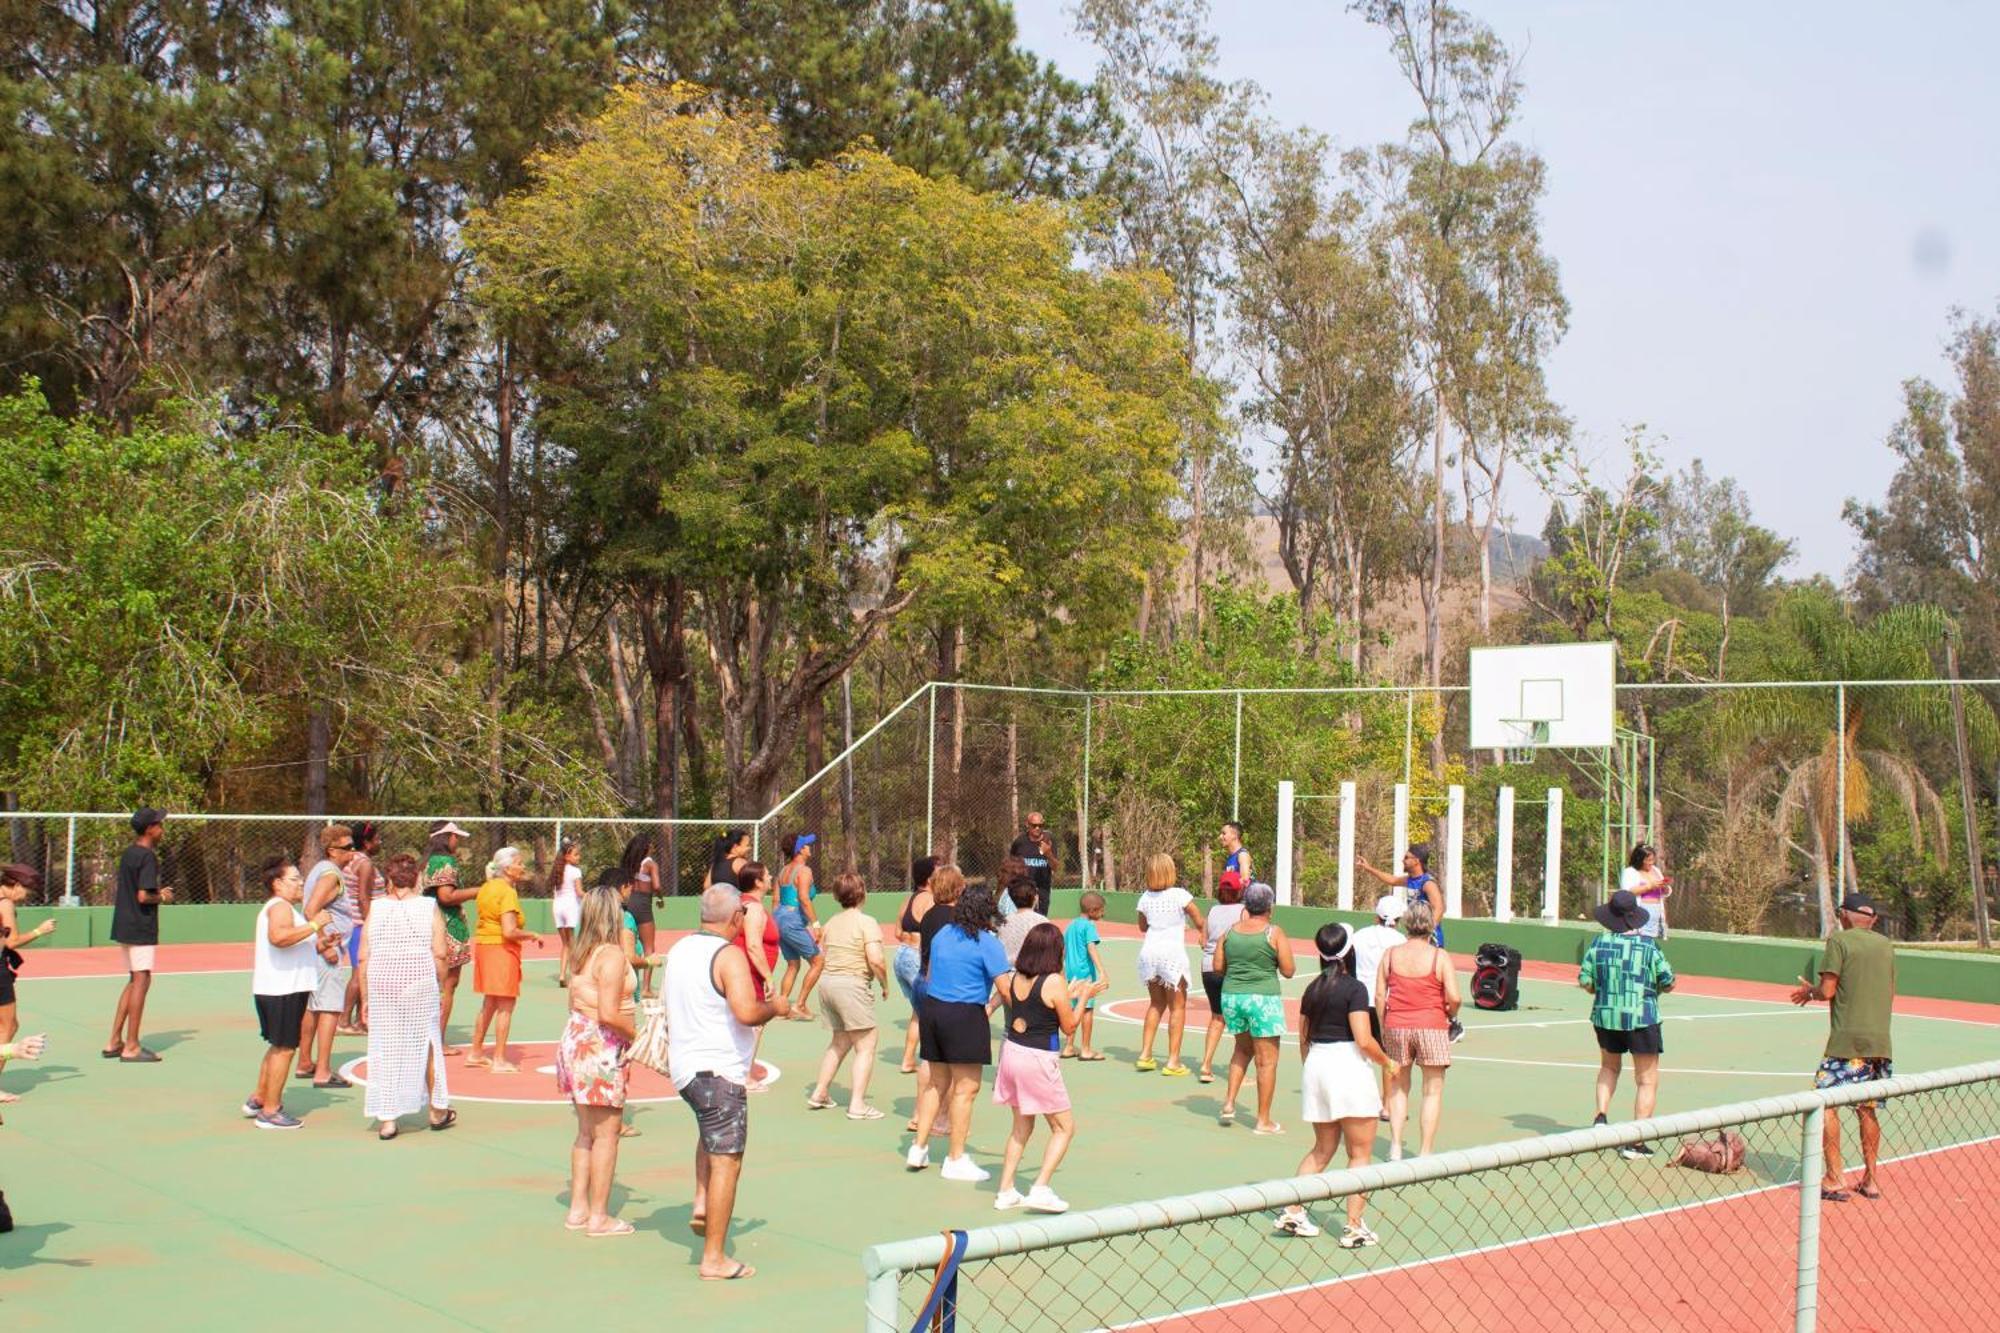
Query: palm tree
[1817, 640]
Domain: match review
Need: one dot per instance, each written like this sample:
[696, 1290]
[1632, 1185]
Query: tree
[821, 396]
[1594, 535]
[1705, 529]
[1936, 536]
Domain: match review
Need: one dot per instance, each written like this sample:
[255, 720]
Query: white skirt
[1340, 1084]
[569, 911]
[1163, 964]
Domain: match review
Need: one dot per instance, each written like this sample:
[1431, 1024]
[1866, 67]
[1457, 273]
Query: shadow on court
[21, 1248]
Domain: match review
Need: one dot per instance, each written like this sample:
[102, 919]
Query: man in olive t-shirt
[1857, 976]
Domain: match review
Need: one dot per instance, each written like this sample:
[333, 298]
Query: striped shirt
[1625, 974]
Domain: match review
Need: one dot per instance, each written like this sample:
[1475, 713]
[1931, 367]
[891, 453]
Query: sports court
[141, 1195]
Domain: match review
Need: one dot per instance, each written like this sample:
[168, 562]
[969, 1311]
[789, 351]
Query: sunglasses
[341, 847]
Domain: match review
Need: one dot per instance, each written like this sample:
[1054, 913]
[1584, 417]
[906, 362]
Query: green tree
[818, 397]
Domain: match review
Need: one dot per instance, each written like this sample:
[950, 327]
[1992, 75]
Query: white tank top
[285, 971]
[572, 883]
[703, 1036]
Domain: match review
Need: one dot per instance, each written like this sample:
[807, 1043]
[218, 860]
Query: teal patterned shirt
[1625, 974]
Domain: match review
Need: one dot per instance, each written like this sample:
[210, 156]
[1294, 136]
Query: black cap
[145, 817]
[1622, 913]
[1859, 902]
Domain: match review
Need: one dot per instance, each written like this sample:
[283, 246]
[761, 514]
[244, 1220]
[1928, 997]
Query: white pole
[1282, 854]
[1402, 828]
[1454, 851]
[1503, 870]
[1346, 900]
[1552, 863]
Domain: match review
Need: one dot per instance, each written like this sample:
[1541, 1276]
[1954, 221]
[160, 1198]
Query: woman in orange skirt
[496, 957]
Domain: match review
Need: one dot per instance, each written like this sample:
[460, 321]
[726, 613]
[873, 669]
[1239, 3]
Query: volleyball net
[1555, 1233]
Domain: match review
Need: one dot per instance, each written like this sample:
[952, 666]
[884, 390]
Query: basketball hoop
[1525, 736]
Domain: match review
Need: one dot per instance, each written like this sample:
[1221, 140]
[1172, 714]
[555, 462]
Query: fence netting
[1587, 1239]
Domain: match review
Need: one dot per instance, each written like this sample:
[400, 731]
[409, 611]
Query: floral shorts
[1838, 1073]
[590, 1069]
[1253, 1015]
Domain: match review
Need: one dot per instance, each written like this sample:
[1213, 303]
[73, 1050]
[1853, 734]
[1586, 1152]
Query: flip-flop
[440, 1126]
[819, 1104]
[333, 1083]
[1228, 1116]
[618, 1228]
[1090, 1059]
[1835, 1196]
[113, 1053]
[394, 1130]
[575, 1226]
[1867, 1193]
[8, 1099]
[742, 1270]
[1204, 1077]
[144, 1057]
[866, 1113]
[698, 1225]
[1175, 1071]
[1069, 1055]
[1275, 1129]
[629, 1132]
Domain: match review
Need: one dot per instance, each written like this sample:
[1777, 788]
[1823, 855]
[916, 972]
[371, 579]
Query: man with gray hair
[712, 1011]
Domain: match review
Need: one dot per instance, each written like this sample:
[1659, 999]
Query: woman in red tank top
[1417, 991]
[754, 879]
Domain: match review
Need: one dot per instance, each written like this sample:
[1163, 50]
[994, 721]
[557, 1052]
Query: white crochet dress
[402, 1009]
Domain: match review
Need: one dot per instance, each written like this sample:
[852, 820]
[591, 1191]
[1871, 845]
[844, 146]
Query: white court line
[774, 1073]
[1501, 1246]
[1572, 1064]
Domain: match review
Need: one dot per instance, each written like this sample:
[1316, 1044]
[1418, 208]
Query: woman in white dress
[1166, 911]
[402, 958]
[568, 900]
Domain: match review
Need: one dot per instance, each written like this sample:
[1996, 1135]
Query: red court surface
[1883, 1267]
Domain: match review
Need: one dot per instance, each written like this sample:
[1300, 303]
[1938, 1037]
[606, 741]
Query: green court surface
[142, 1196]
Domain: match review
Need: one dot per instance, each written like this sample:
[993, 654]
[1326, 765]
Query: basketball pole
[1552, 858]
[1503, 869]
[1454, 851]
[1402, 827]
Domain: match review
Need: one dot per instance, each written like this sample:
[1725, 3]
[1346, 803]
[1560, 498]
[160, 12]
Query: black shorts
[954, 1034]
[640, 905]
[1211, 986]
[721, 1111]
[6, 984]
[1639, 1041]
[279, 1018]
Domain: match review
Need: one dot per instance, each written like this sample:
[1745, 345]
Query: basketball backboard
[1544, 696]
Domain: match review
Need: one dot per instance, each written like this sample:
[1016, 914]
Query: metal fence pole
[1083, 834]
[70, 898]
[884, 1302]
[1840, 794]
[930, 779]
[1812, 1162]
[1409, 731]
[1236, 773]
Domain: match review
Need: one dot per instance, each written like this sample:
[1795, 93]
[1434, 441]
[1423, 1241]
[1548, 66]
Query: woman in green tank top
[1251, 957]
[441, 882]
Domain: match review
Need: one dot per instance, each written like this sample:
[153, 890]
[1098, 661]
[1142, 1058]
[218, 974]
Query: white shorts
[568, 911]
[1163, 965]
[138, 957]
[1340, 1084]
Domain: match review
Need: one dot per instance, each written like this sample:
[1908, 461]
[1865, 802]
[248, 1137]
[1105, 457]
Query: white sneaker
[965, 1169]
[1042, 1199]
[919, 1156]
[1007, 1199]
[1294, 1222]
[1354, 1238]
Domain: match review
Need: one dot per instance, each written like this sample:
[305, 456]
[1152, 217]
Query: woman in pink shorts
[1042, 1009]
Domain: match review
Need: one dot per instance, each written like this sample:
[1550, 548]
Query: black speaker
[1496, 977]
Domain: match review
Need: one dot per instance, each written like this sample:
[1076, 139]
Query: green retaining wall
[1925, 972]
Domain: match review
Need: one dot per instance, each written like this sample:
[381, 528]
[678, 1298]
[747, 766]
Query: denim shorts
[909, 965]
[795, 941]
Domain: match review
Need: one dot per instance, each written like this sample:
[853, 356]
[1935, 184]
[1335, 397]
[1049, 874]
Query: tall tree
[820, 395]
[1706, 530]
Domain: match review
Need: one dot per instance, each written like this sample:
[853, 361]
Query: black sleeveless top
[908, 923]
[1327, 1018]
[1032, 1022]
[929, 929]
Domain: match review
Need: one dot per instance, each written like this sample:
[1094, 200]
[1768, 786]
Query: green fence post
[1812, 1162]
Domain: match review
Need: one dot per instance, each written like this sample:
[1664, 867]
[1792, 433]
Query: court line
[347, 1072]
[1150, 1321]
[1572, 1064]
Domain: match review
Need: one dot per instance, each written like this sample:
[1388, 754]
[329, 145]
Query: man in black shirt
[135, 928]
[1034, 848]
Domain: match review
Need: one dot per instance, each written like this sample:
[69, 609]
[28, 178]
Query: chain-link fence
[1567, 1232]
[1765, 801]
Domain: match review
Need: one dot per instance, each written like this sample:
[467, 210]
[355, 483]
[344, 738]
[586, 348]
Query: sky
[1764, 213]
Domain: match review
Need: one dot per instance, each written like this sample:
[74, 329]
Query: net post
[1281, 854]
[1401, 827]
[1236, 771]
[1812, 1163]
[1346, 872]
[884, 1313]
[1552, 858]
[1409, 741]
[930, 778]
[1083, 831]
[1454, 851]
[70, 898]
[1503, 850]
[1840, 792]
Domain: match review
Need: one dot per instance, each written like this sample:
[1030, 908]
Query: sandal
[618, 1227]
[1090, 1057]
[575, 1223]
[1204, 1077]
[449, 1119]
[1228, 1116]
[389, 1133]
[742, 1270]
[1868, 1192]
[1835, 1196]
[698, 1225]
[1175, 1071]
[818, 1103]
[866, 1113]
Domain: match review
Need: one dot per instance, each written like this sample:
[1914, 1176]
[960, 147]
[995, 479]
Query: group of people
[353, 946]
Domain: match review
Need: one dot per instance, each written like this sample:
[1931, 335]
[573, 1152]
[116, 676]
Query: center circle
[535, 1060]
